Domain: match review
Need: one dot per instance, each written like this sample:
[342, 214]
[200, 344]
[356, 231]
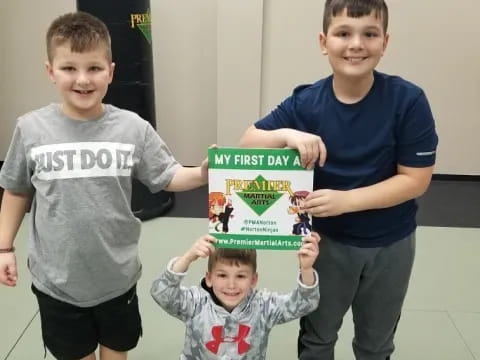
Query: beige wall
[239, 67]
[185, 64]
[25, 85]
[219, 65]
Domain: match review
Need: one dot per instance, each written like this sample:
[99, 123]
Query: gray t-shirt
[83, 245]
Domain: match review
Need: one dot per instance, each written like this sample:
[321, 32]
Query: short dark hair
[233, 257]
[355, 8]
[82, 30]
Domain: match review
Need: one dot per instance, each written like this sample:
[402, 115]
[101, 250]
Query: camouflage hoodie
[214, 333]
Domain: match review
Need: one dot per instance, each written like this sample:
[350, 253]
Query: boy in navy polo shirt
[380, 136]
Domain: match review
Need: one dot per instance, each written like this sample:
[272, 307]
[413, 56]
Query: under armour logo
[243, 346]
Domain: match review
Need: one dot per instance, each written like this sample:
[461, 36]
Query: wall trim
[451, 177]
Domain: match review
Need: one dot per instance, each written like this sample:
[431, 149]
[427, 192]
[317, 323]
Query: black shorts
[70, 332]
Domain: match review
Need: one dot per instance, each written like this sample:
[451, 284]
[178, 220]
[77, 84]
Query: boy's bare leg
[109, 354]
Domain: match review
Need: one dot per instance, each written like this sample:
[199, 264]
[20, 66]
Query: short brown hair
[233, 257]
[82, 30]
[355, 8]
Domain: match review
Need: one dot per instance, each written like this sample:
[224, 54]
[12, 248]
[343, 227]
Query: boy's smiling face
[82, 80]
[354, 45]
[231, 283]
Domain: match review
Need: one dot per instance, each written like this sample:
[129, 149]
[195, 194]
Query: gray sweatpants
[374, 282]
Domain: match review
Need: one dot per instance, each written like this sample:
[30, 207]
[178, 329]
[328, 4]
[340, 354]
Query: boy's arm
[304, 299]
[187, 178]
[258, 138]
[282, 308]
[13, 209]
[408, 183]
[166, 290]
[310, 146]
[202, 248]
[307, 255]
[175, 299]
[158, 169]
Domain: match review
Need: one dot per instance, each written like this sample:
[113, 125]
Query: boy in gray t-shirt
[77, 160]
[226, 318]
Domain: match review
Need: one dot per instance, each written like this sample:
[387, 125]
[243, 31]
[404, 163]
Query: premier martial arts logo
[82, 160]
[259, 194]
[144, 23]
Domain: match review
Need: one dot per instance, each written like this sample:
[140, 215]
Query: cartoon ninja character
[219, 210]
[302, 224]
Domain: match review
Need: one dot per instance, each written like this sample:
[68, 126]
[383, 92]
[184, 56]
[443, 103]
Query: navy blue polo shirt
[391, 125]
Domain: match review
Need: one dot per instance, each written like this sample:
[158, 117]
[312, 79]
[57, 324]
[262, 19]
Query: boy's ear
[49, 69]
[323, 43]
[254, 280]
[112, 69]
[208, 279]
[385, 43]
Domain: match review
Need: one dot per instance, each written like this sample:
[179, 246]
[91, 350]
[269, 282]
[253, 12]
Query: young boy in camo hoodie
[225, 317]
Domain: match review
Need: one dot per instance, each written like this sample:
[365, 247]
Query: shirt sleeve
[287, 114]
[175, 299]
[15, 174]
[157, 166]
[281, 308]
[417, 139]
